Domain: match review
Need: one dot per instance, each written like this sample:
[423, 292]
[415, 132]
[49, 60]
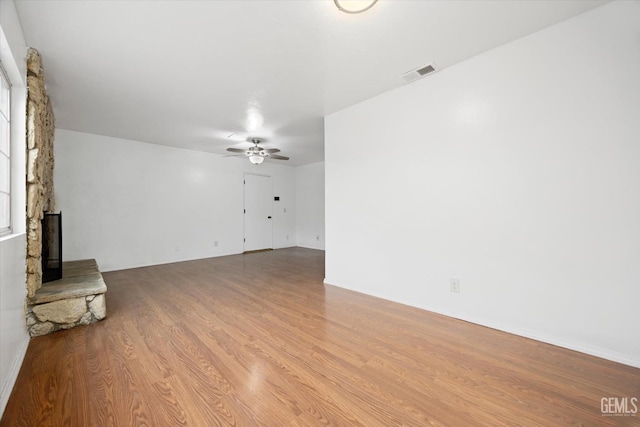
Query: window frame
[6, 230]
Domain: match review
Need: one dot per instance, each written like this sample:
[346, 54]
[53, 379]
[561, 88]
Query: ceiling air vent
[419, 72]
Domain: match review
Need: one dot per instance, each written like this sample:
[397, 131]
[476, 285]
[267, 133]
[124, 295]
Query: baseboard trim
[319, 247]
[534, 335]
[548, 339]
[257, 250]
[109, 267]
[13, 374]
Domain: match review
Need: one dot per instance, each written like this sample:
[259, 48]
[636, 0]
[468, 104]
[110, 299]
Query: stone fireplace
[40, 195]
[74, 291]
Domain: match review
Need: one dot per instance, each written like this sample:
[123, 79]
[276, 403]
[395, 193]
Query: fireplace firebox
[51, 247]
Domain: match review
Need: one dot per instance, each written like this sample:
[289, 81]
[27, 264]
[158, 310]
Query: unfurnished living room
[322, 212]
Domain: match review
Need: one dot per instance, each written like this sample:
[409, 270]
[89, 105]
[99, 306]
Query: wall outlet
[317, 237]
[177, 248]
[454, 285]
[215, 243]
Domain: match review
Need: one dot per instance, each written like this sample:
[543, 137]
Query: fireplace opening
[51, 247]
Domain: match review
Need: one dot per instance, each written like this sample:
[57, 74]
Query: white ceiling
[189, 73]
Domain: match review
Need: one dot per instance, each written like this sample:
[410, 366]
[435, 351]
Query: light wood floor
[258, 340]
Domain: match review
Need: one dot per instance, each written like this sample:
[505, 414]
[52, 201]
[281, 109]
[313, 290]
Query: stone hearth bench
[76, 299]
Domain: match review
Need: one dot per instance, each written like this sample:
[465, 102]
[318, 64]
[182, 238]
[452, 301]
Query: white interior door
[258, 228]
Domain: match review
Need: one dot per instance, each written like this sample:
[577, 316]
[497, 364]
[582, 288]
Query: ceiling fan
[257, 154]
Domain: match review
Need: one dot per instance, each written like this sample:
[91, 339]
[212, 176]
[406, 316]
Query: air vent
[419, 72]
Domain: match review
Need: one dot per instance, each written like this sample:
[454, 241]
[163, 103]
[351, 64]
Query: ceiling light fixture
[354, 6]
[256, 159]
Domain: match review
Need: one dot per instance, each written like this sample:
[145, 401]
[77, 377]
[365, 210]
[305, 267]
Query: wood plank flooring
[258, 340]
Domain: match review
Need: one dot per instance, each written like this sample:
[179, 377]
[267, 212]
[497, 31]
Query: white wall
[14, 337]
[129, 204]
[13, 331]
[516, 172]
[310, 205]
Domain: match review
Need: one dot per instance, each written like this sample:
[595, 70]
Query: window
[5, 159]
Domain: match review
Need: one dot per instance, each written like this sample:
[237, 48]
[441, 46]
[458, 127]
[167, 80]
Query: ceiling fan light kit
[256, 159]
[354, 6]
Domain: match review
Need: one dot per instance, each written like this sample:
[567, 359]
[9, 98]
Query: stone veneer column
[40, 195]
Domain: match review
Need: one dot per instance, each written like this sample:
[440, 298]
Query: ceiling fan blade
[236, 150]
[234, 155]
[272, 150]
[278, 157]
